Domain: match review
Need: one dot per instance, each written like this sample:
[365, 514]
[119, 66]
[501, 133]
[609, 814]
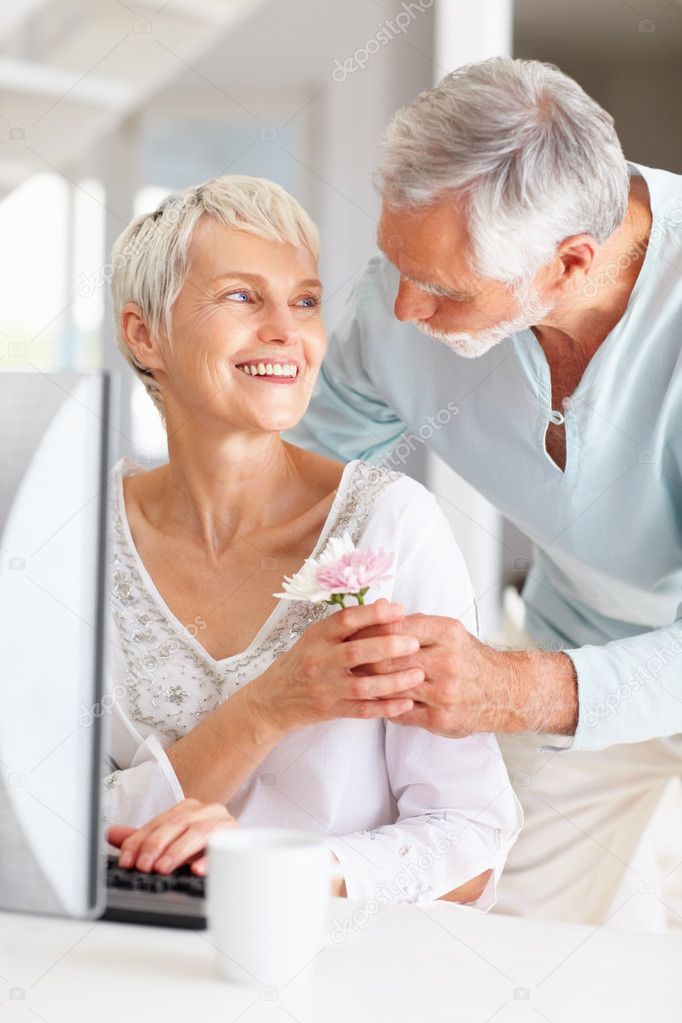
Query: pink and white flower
[342, 570]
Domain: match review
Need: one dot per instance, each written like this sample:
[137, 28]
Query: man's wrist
[544, 692]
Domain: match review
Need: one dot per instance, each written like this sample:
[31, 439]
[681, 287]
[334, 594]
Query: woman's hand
[316, 680]
[171, 839]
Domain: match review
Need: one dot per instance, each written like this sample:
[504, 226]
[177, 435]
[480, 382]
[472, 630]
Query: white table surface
[441, 962]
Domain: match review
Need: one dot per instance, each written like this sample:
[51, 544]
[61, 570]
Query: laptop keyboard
[181, 880]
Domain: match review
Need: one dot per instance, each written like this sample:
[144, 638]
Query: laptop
[55, 450]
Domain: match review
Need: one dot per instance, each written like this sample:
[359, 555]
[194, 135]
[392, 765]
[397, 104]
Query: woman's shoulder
[134, 479]
[129, 484]
[392, 493]
[430, 570]
[123, 468]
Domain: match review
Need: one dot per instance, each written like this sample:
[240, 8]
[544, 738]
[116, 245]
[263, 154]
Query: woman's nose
[279, 327]
[411, 303]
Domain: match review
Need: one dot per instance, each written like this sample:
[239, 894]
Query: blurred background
[107, 105]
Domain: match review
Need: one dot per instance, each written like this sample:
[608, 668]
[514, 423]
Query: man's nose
[411, 303]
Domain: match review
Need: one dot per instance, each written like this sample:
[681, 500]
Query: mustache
[474, 343]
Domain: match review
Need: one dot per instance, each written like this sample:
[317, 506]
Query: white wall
[467, 32]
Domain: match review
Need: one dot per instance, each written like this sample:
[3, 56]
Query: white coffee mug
[268, 899]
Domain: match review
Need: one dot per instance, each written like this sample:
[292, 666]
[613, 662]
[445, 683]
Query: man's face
[438, 290]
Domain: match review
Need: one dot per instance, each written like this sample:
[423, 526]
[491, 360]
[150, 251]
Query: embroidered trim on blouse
[150, 641]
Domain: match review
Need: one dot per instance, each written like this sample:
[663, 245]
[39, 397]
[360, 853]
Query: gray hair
[151, 257]
[535, 158]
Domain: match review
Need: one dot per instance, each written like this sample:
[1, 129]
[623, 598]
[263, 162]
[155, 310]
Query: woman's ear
[138, 337]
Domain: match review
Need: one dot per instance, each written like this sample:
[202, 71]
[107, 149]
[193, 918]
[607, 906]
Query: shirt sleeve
[629, 690]
[141, 782]
[348, 416]
[457, 814]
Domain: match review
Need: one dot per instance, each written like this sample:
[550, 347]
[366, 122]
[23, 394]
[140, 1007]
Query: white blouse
[409, 815]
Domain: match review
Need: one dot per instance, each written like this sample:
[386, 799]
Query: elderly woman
[233, 707]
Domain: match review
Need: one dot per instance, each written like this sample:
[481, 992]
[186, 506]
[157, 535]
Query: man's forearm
[545, 691]
[473, 687]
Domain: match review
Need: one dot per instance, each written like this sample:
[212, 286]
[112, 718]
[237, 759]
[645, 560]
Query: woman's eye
[310, 302]
[239, 296]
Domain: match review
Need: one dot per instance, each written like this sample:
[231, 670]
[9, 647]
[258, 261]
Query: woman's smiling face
[246, 302]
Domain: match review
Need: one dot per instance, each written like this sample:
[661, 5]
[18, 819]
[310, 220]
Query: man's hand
[470, 687]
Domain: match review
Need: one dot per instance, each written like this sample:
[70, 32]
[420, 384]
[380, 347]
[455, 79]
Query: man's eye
[310, 302]
[239, 296]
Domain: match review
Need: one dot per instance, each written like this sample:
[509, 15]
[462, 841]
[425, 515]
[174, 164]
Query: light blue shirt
[606, 579]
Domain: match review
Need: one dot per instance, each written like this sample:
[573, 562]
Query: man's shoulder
[378, 282]
[665, 195]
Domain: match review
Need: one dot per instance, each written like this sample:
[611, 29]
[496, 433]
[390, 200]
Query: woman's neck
[215, 489]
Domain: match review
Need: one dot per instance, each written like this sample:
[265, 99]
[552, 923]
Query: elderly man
[515, 235]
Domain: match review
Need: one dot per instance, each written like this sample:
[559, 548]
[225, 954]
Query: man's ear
[138, 337]
[576, 256]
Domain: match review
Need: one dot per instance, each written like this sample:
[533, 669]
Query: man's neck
[577, 327]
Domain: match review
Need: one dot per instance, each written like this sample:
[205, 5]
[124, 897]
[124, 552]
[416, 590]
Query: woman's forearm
[309, 684]
[214, 759]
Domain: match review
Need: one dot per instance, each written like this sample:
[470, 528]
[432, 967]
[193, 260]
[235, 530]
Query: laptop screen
[53, 475]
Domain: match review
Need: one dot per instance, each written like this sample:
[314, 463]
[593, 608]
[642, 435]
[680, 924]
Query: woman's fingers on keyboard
[131, 846]
[213, 817]
[200, 865]
[117, 834]
[155, 843]
[145, 847]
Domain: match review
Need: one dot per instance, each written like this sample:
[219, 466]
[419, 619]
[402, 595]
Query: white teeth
[262, 369]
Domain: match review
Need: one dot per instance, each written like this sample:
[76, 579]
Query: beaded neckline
[171, 680]
[216, 663]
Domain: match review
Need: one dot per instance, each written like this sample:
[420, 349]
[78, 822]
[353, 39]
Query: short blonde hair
[150, 259]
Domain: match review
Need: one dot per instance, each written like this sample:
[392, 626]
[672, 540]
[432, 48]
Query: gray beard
[471, 346]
